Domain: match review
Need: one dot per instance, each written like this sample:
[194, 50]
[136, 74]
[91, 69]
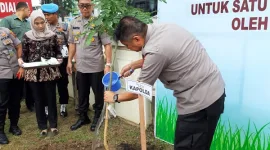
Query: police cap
[49, 8]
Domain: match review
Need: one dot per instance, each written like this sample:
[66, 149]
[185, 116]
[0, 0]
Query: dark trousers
[195, 131]
[45, 93]
[84, 82]
[29, 101]
[62, 83]
[10, 98]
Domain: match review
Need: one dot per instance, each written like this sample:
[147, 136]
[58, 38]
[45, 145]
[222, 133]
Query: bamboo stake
[106, 146]
[107, 113]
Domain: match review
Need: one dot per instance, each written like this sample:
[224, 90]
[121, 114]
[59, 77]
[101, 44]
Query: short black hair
[79, 1]
[21, 5]
[44, 12]
[127, 27]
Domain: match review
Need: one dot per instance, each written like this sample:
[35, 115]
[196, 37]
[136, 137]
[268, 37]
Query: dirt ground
[121, 135]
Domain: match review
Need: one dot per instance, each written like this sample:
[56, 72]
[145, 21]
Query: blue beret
[49, 8]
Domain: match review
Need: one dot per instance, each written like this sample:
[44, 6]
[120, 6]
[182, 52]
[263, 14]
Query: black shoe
[94, 124]
[63, 114]
[95, 120]
[3, 138]
[15, 130]
[80, 123]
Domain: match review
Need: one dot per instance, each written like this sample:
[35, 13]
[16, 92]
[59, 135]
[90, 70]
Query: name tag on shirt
[76, 28]
[64, 51]
[6, 40]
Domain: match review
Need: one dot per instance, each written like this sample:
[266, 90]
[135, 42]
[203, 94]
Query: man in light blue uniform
[61, 30]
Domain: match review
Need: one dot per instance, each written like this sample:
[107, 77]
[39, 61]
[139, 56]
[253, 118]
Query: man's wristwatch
[115, 98]
[131, 70]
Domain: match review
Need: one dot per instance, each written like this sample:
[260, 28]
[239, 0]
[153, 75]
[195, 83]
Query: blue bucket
[116, 84]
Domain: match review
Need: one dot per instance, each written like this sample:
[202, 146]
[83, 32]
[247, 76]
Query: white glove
[20, 62]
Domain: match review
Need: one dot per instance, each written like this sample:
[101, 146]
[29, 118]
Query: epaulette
[76, 17]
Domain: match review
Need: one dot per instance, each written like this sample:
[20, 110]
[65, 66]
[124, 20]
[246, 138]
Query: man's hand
[108, 96]
[126, 71]
[20, 73]
[107, 69]
[69, 68]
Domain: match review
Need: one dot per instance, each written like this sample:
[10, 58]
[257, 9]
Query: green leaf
[89, 37]
[111, 11]
[98, 22]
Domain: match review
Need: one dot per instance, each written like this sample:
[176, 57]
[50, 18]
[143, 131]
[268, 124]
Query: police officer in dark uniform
[11, 84]
[61, 30]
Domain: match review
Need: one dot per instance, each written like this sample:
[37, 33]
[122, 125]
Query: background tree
[111, 11]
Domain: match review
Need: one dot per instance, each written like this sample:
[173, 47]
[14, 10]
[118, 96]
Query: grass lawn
[121, 135]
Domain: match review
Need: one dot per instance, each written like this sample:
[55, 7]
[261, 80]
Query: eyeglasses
[82, 6]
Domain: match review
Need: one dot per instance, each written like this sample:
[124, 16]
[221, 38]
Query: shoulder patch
[76, 17]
